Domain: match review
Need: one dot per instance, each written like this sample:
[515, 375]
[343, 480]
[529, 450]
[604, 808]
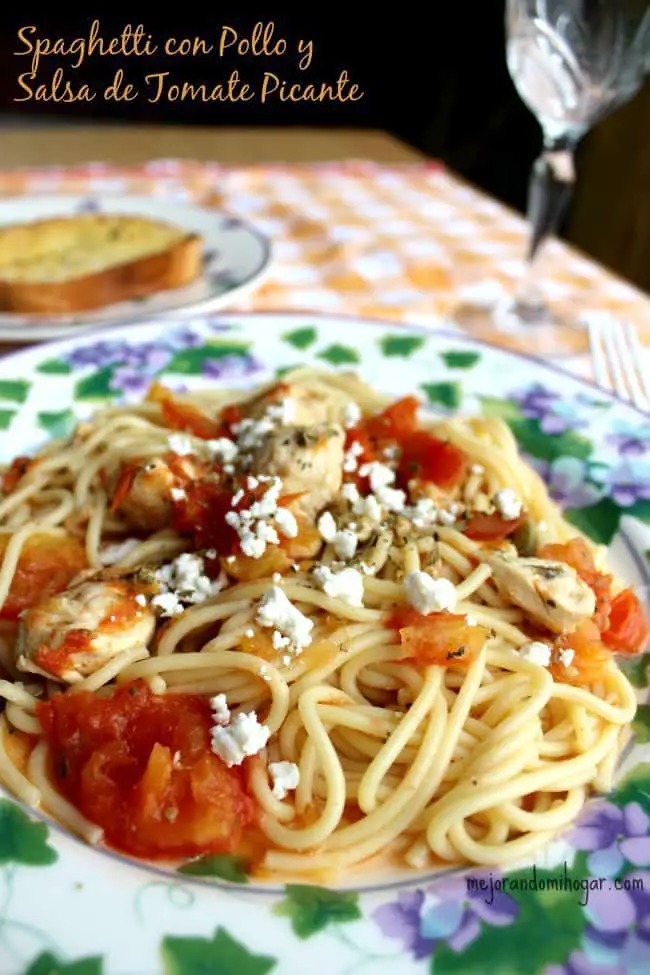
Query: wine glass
[572, 62]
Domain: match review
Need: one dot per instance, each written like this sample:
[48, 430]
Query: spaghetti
[307, 626]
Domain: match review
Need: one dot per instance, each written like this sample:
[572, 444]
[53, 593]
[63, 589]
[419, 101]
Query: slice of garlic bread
[71, 264]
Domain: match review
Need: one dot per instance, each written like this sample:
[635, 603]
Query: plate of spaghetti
[315, 627]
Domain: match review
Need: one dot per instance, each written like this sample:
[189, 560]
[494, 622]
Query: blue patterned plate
[585, 909]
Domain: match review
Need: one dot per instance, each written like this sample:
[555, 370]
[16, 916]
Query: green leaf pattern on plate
[22, 840]
[401, 345]
[224, 866]
[219, 955]
[313, 908]
[49, 964]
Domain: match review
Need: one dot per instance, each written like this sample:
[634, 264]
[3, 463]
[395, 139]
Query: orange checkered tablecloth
[406, 242]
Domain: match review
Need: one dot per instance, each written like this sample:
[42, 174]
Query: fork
[618, 360]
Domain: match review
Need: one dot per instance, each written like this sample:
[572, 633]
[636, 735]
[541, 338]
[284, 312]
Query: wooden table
[64, 145]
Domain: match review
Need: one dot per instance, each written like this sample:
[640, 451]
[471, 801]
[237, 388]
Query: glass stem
[550, 190]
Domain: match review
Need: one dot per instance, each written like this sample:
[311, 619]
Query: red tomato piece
[140, 766]
[440, 638]
[492, 527]
[590, 655]
[434, 461]
[184, 416]
[47, 564]
[628, 629]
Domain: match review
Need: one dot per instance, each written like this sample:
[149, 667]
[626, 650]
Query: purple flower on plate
[555, 414]
[185, 338]
[150, 357]
[130, 381]
[400, 919]
[613, 835]
[630, 439]
[629, 482]
[97, 354]
[619, 928]
[445, 913]
[231, 366]
[568, 483]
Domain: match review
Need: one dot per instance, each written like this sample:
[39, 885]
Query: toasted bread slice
[72, 264]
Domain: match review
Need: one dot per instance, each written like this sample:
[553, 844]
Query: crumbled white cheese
[180, 443]
[350, 493]
[285, 777]
[477, 469]
[243, 737]
[423, 514]
[566, 657]
[249, 632]
[346, 584]
[276, 611]
[251, 482]
[168, 603]
[327, 527]
[141, 599]
[429, 595]
[350, 458]
[381, 477]
[536, 653]
[279, 641]
[184, 581]
[252, 525]
[177, 494]
[369, 508]
[351, 415]
[345, 544]
[185, 576]
[286, 522]
[222, 449]
[236, 498]
[220, 709]
[447, 517]
[470, 621]
[507, 504]
[115, 553]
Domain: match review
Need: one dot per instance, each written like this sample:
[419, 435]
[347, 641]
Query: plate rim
[442, 328]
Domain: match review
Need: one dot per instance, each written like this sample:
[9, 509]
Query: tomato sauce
[140, 766]
[46, 566]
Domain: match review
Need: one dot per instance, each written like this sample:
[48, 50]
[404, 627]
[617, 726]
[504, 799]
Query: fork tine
[638, 355]
[598, 354]
[616, 357]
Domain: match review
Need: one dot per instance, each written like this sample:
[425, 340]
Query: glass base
[528, 326]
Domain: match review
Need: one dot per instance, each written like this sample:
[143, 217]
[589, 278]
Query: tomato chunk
[492, 527]
[140, 766]
[16, 470]
[47, 564]
[440, 638]
[426, 458]
[628, 629]
[184, 416]
[590, 655]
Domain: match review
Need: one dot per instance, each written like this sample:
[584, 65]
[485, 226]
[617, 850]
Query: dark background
[433, 75]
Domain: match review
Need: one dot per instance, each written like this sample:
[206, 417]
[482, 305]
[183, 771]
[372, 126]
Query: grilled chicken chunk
[550, 592]
[308, 460]
[71, 635]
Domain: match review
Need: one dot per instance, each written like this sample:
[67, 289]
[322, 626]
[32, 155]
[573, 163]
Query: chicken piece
[309, 461]
[143, 496]
[551, 593]
[72, 635]
[294, 404]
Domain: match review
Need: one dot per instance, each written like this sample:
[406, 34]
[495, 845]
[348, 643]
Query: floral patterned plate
[235, 257]
[583, 908]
